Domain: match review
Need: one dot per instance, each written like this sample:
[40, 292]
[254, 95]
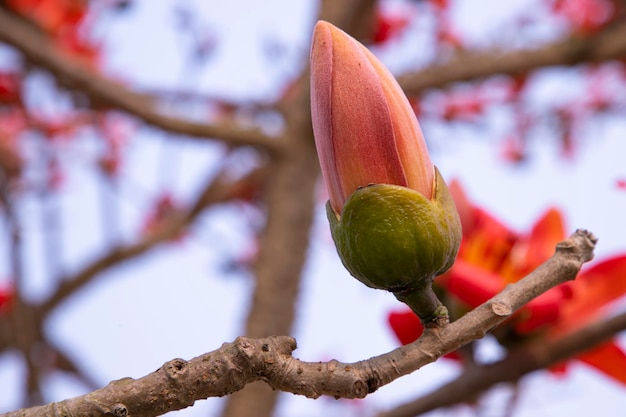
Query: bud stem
[426, 305]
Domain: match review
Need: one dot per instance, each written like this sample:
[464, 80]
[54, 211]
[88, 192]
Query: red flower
[6, 296]
[467, 106]
[492, 255]
[51, 15]
[585, 15]
[406, 325]
[10, 84]
[63, 21]
[388, 26]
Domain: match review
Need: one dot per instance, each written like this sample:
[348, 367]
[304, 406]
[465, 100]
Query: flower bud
[365, 129]
[393, 238]
[392, 217]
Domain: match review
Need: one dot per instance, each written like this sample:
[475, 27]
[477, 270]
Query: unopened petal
[352, 122]
[408, 137]
[321, 114]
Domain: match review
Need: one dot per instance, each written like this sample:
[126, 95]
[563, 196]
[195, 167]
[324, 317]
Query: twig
[517, 363]
[289, 198]
[217, 190]
[179, 383]
[601, 46]
[21, 316]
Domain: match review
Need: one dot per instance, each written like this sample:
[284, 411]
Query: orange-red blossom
[492, 256]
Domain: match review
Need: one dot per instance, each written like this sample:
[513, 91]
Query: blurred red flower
[6, 295]
[585, 15]
[388, 26]
[63, 21]
[493, 255]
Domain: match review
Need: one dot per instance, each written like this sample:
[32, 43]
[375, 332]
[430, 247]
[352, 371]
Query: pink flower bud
[391, 215]
[365, 129]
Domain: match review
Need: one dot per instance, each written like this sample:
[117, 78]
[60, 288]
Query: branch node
[245, 346]
[579, 245]
[373, 384]
[431, 355]
[360, 389]
[285, 345]
[175, 368]
[119, 410]
[501, 309]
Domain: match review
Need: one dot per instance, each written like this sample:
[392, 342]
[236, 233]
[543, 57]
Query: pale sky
[122, 325]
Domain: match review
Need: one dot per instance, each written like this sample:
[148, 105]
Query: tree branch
[290, 205]
[607, 44]
[522, 361]
[218, 190]
[179, 383]
[38, 49]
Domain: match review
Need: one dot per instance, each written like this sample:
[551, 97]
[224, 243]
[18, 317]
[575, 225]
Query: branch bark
[179, 383]
[539, 355]
[283, 247]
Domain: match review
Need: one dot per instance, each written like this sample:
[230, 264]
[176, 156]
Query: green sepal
[394, 238]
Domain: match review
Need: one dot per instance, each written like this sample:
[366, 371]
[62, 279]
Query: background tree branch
[179, 383]
[103, 91]
[218, 189]
[477, 379]
[607, 44]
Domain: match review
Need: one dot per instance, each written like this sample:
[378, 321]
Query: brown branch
[21, 316]
[290, 205]
[22, 327]
[358, 17]
[179, 383]
[601, 46]
[217, 190]
[517, 363]
[69, 365]
[38, 49]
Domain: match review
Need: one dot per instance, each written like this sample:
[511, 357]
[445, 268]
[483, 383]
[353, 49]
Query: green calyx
[393, 238]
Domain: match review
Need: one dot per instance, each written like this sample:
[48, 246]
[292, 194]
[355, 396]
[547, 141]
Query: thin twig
[539, 355]
[21, 316]
[607, 44]
[218, 190]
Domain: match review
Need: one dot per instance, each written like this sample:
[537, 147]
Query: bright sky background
[128, 323]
